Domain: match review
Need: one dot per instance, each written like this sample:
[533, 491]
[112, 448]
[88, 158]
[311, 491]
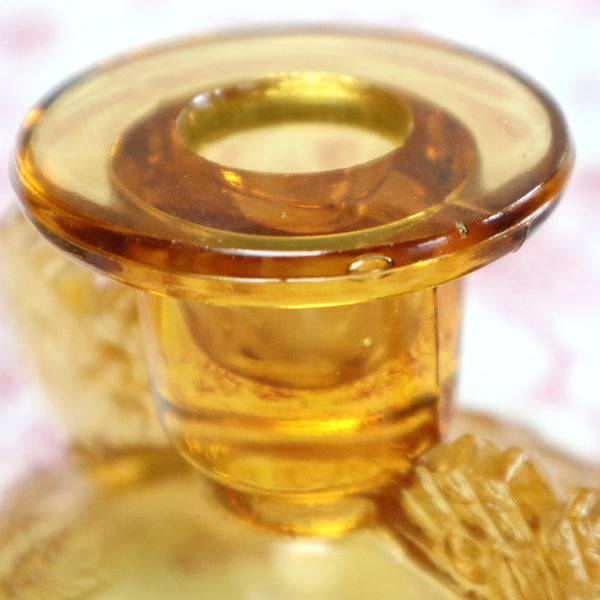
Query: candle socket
[315, 401]
[297, 220]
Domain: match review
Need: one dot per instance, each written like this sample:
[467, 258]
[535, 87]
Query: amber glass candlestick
[297, 235]
[296, 208]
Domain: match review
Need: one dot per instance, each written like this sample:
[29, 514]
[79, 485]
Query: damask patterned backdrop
[530, 340]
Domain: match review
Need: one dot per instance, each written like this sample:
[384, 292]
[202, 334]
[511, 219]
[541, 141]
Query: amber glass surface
[296, 208]
[474, 522]
[325, 400]
[298, 218]
[108, 175]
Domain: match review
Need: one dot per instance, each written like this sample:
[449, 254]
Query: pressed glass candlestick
[296, 209]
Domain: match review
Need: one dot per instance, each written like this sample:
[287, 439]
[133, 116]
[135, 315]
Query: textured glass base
[472, 521]
[148, 530]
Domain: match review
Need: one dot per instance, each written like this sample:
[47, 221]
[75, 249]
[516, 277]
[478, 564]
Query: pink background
[530, 343]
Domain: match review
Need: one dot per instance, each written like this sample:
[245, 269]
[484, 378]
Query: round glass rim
[50, 214]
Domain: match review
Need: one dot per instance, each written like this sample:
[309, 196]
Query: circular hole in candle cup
[330, 142]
